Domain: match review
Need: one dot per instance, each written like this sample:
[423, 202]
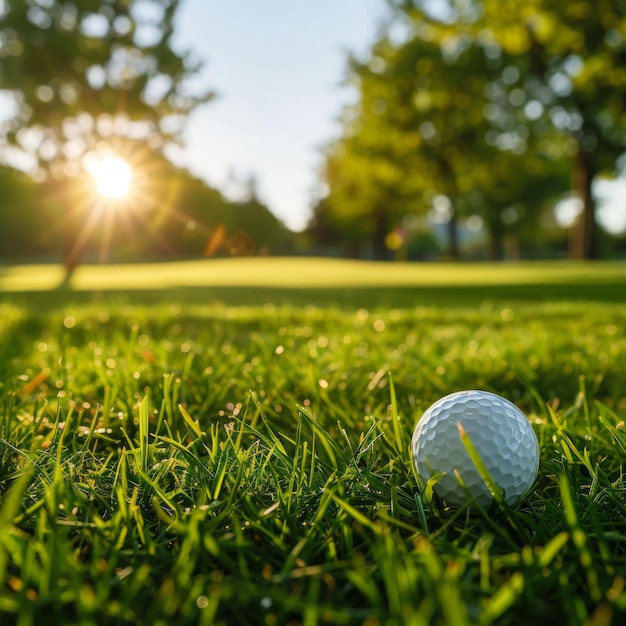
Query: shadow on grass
[343, 298]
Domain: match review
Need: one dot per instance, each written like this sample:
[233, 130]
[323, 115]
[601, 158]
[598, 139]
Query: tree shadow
[347, 298]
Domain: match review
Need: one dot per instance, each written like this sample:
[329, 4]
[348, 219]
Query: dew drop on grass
[507, 314]
[69, 322]
[361, 316]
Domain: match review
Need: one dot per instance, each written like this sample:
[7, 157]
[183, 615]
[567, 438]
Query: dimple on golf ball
[498, 430]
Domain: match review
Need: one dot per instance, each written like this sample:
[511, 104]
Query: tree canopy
[85, 79]
[79, 73]
[500, 108]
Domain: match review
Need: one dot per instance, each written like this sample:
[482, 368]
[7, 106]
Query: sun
[112, 176]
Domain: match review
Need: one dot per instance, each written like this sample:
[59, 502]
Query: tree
[428, 123]
[364, 193]
[361, 168]
[437, 101]
[569, 57]
[172, 214]
[88, 77]
[326, 233]
[512, 192]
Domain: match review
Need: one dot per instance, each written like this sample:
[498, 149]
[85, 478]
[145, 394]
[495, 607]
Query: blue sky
[277, 68]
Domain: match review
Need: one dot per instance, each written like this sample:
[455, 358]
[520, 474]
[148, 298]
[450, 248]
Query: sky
[277, 68]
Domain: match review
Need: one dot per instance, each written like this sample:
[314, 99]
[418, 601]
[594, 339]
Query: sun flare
[112, 176]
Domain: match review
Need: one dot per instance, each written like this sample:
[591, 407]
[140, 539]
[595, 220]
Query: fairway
[319, 282]
[227, 442]
[311, 273]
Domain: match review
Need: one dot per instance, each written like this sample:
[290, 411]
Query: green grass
[224, 445]
[320, 273]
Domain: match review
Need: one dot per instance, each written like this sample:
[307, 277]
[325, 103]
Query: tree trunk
[353, 249]
[452, 226]
[496, 246]
[584, 234]
[381, 230]
[453, 235]
[496, 243]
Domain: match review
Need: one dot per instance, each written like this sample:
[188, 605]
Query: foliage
[88, 80]
[170, 214]
[176, 459]
[573, 53]
[492, 108]
[84, 72]
[18, 212]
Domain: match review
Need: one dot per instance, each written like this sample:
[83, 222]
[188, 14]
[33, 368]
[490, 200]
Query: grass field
[226, 442]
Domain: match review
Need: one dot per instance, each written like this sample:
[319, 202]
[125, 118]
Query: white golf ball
[501, 434]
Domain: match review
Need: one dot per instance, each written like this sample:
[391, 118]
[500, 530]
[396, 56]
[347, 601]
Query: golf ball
[498, 430]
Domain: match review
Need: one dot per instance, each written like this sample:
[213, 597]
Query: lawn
[226, 442]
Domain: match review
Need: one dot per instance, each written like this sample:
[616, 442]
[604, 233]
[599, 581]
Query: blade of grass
[395, 416]
[144, 431]
[579, 537]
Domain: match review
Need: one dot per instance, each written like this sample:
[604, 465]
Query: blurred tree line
[176, 215]
[482, 114]
[81, 79]
[472, 118]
